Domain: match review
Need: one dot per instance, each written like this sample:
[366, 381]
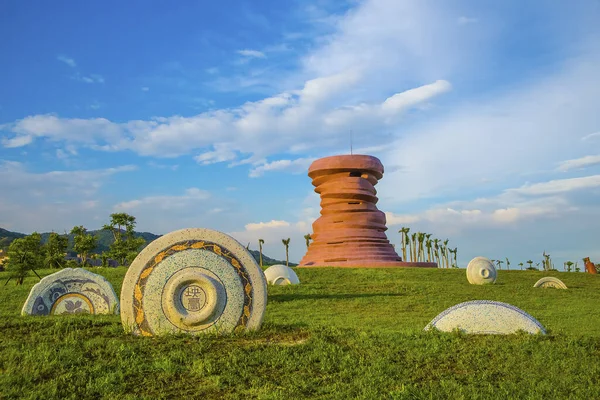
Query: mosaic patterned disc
[193, 281]
[485, 317]
[71, 291]
[280, 274]
[550, 282]
[481, 271]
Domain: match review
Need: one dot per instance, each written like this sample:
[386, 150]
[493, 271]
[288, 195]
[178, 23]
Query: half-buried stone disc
[193, 281]
[71, 291]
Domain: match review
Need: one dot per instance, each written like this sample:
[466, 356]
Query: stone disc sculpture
[351, 230]
[280, 274]
[481, 271]
[485, 317]
[550, 282]
[71, 291]
[193, 281]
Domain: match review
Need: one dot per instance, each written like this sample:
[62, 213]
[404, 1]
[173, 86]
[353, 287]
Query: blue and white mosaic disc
[71, 291]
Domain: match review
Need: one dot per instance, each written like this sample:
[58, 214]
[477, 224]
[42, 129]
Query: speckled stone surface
[481, 271]
[71, 291]
[550, 282]
[280, 274]
[485, 317]
[193, 281]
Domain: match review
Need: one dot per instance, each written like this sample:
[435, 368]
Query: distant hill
[105, 239]
[6, 237]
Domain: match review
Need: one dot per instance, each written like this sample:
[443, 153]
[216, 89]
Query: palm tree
[307, 238]
[521, 265]
[446, 252]
[286, 243]
[413, 248]
[569, 265]
[428, 246]
[529, 262]
[436, 248]
[507, 263]
[420, 239]
[454, 253]
[499, 263]
[404, 232]
[260, 243]
[443, 256]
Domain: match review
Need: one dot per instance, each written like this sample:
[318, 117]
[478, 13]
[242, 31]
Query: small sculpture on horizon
[589, 266]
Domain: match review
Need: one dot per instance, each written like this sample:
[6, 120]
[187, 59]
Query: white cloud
[579, 163]
[259, 128]
[165, 202]
[53, 200]
[559, 186]
[297, 166]
[67, 60]
[92, 78]
[251, 53]
[145, 89]
[466, 20]
[266, 225]
[595, 135]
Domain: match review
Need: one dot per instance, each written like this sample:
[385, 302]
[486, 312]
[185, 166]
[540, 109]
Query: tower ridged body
[351, 230]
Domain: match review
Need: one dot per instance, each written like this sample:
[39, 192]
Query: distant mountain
[6, 237]
[105, 239]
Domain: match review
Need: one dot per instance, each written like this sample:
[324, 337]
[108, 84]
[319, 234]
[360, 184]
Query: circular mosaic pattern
[193, 281]
[550, 282]
[280, 274]
[481, 271]
[72, 291]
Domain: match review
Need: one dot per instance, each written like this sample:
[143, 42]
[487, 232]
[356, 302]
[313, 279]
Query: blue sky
[208, 114]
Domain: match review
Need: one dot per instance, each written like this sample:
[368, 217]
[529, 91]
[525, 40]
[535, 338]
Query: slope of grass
[342, 333]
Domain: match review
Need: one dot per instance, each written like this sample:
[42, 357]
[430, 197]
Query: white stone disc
[485, 317]
[193, 281]
[481, 271]
[280, 274]
[71, 291]
[550, 282]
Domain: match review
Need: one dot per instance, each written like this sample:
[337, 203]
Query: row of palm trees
[286, 243]
[421, 248]
[420, 245]
[546, 264]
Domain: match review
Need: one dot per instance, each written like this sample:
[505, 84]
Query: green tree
[307, 237]
[54, 250]
[83, 243]
[25, 254]
[446, 252]
[286, 243]
[260, 243]
[521, 265]
[499, 263]
[405, 241]
[420, 252]
[507, 263]
[126, 246]
[569, 265]
[413, 248]
[436, 251]
[530, 264]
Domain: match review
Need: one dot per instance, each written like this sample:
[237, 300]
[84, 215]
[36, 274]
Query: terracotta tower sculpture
[351, 230]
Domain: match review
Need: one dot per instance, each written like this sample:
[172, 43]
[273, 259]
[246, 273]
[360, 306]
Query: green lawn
[342, 333]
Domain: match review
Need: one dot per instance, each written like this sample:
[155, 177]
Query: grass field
[341, 334]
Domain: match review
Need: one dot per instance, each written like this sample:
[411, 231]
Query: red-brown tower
[351, 230]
